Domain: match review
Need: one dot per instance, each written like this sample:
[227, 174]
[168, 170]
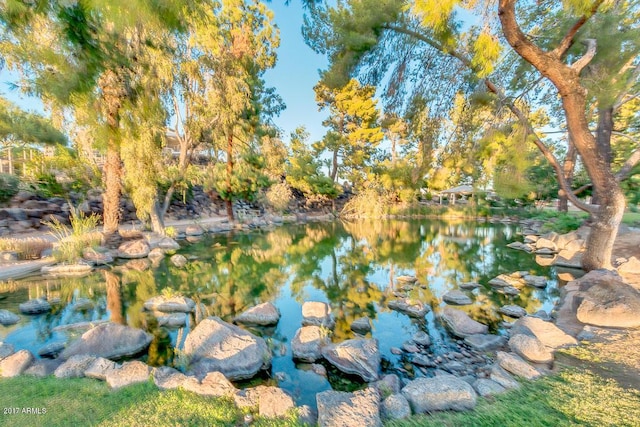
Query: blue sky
[294, 75]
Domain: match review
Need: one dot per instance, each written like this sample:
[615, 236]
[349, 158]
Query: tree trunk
[112, 192]
[156, 216]
[603, 141]
[567, 169]
[334, 165]
[229, 201]
[566, 79]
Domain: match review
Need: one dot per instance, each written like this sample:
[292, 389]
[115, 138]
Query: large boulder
[341, 409]
[514, 364]
[503, 377]
[111, 341]
[485, 387]
[530, 348]
[610, 303]
[357, 356]
[361, 325]
[460, 324]
[457, 298]
[485, 342]
[395, 407]
[134, 249]
[215, 345]
[308, 342]
[316, 313]
[15, 364]
[6, 349]
[170, 304]
[8, 318]
[441, 393]
[264, 314]
[75, 366]
[272, 401]
[127, 374]
[548, 333]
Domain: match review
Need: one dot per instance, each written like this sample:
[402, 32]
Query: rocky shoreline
[477, 364]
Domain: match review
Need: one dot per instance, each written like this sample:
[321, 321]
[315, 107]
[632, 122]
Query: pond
[353, 266]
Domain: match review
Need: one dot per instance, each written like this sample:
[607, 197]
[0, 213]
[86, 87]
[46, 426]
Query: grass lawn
[631, 218]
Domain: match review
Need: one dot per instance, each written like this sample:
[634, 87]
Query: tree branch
[567, 40]
[546, 152]
[587, 57]
[631, 162]
[620, 101]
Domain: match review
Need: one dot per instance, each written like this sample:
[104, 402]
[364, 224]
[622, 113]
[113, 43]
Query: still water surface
[353, 266]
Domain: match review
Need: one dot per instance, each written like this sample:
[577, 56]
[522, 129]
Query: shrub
[30, 248]
[72, 240]
[8, 187]
[278, 196]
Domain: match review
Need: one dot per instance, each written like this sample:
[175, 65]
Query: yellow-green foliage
[434, 13]
[30, 248]
[486, 52]
[72, 240]
[278, 196]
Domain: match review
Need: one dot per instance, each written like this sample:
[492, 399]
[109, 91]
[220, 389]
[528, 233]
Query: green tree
[359, 31]
[354, 131]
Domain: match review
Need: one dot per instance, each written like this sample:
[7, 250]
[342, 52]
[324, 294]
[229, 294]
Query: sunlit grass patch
[26, 249]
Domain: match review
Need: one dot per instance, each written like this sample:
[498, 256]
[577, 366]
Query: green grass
[631, 218]
[571, 398]
[85, 402]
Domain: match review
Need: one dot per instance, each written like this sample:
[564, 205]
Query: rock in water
[264, 314]
[315, 313]
[215, 345]
[460, 324]
[109, 340]
[457, 297]
[357, 356]
[308, 343]
[440, 393]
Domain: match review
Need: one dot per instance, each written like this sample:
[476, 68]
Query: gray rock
[194, 230]
[95, 257]
[134, 249]
[171, 320]
[8, 318]
[42, 368]
[469, 285]
[389, 384]
[535, 281]
[422, 360]
[6, 350]
[35, 306]
[361, 325]
[315, 313]
[395, 407]
[514, 364]
[504, 280]
[155, 255]
[548, 333]
[167, 378]
[610, 303]
[177, 304]
[519, 246]
[308, 342]
[544, 243]
[99, 368]
[421, 338]
[460, 324]
[168, 244]
[215, 345]
[409, 307]
[109, 340]
[503, 377]
[129, 373]
[214, 384]
[510, 290]
[264, 314]
[340, 409]
[272, 401]
[178, 260]
[440, 393]
[356, 356]
[407, 279]
[530, 348]
[51, 350]
[74, 367]
[457, 297]
[15, 364]
[485, 387]
[514, 311]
